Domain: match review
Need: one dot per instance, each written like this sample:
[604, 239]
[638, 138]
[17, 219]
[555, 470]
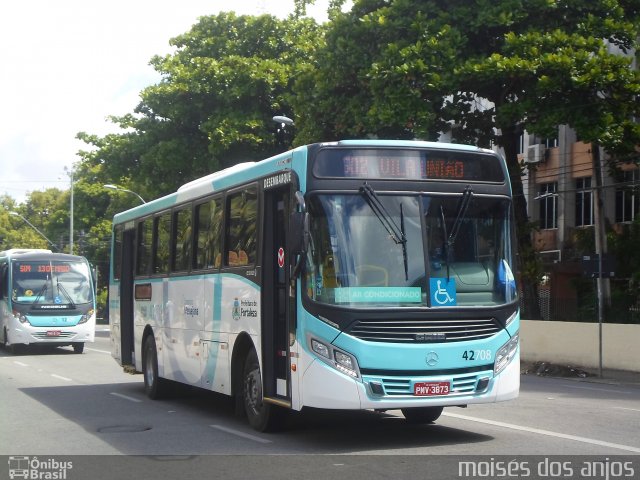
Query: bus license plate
[53, 333]
[427, 389]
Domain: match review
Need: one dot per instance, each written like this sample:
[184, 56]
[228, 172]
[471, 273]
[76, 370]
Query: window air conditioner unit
[536, 153]
[550, 256]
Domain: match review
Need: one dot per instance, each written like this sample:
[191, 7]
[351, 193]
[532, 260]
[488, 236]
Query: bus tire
[7, 345]
[154, 386]
[420, 415]
[78, 347]
[263, 417]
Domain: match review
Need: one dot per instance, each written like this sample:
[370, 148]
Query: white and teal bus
[46, 298]
[349, 275]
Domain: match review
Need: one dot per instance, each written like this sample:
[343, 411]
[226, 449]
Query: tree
[14, 231]
[488, 69]
[346, 94]
[213, 107]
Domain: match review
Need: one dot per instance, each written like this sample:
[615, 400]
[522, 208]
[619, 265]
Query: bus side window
[4, 280]
[242, 211]
[117, 251]
[208, 235]
[161, 241]
[182, 239]
[144, 249]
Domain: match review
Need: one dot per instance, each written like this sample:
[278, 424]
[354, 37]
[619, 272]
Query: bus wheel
[262, 416]
[7, 345]
[154, 386]
[420, 415]
[78, 347]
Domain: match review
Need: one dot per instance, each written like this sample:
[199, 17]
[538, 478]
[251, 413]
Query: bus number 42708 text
[471, 355]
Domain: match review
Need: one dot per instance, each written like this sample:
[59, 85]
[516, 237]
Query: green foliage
[487, 70]
[625, 247]
[213, 107]
[482, 71]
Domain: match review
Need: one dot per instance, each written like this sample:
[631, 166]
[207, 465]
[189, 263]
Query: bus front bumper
[325, 387]
[28, 335]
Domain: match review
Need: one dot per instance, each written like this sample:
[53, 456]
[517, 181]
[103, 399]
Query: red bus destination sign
[408, 165]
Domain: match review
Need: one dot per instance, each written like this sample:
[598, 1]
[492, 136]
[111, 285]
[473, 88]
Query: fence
[623, 308]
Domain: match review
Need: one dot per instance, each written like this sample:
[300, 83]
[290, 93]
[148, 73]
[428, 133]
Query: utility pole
[601, 243]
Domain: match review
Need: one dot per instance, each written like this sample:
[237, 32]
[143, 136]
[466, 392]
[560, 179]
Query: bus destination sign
[44, 267]
[408, 165]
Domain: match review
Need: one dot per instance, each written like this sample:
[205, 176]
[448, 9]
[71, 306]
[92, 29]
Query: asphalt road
[57, 403]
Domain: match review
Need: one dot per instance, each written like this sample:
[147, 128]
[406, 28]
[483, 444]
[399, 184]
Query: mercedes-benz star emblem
[432, 359]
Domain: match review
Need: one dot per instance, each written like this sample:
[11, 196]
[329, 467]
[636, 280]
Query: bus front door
[127, 346]
[276, 313]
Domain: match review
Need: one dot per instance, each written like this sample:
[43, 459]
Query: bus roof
[12, 252]
[214, 182]
[244, 171]
[409, 143]
[38, 254]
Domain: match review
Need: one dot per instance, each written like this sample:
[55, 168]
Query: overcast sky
[66, 65]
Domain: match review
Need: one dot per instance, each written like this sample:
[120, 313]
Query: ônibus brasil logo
[38, 469]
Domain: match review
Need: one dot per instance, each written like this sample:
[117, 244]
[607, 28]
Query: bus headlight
[345, 363]
[506, 354]
[338, 359]
[20, 317]
[320, 348]
[86, 317]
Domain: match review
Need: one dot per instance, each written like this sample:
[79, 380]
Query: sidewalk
[609, 376]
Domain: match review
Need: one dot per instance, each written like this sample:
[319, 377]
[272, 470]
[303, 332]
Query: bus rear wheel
[420, 415]
[154, 386]
[264, 417]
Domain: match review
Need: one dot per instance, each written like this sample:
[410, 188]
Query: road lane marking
[61, 378]
[20, 363]
[96, 350]
[126, 397]
[626, 408]
[548, 433]
[598, 389]
[240, 434]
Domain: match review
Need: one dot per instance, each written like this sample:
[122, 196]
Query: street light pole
[16, 214]
[70, 173]
[120, 189]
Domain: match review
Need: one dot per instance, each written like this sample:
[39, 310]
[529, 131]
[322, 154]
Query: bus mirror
[299, 238]
[299, 232]
[94, 277]
[300, 201]
[299, 226]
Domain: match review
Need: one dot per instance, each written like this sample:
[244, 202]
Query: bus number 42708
[471, 355]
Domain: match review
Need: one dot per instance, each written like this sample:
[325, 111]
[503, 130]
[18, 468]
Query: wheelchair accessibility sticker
[443, 292]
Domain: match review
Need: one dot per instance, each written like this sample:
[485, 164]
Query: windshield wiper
[404, 244]
[461, 212]
[66, 294]
[396, 232]
[42, 291]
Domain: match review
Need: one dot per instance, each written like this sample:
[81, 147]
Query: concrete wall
[576, 344]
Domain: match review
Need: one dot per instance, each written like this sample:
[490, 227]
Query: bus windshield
[410, 250]
[51, 282]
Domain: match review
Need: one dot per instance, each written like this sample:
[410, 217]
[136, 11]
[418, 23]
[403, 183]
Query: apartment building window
[628, 197]
[548, 198]
[584, 202]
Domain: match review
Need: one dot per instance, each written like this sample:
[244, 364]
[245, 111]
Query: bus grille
[402, 386]
[61, 335]
[425, 331]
